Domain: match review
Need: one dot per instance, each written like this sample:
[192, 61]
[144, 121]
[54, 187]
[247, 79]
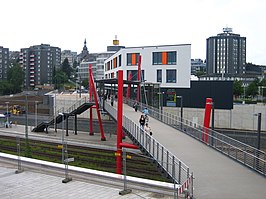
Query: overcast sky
[67, 23]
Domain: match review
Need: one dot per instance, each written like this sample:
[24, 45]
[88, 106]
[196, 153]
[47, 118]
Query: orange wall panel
[133, 58]
[164, 58]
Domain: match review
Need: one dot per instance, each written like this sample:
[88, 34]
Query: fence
[172, 166]
[241, 152]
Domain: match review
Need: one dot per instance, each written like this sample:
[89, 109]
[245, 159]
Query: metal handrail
[174, 167]
[241, 152]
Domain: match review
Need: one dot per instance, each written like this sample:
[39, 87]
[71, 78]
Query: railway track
[87, 157]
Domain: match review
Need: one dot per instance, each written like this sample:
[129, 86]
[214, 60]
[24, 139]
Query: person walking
[135, 106]
[147, 129]
[142, 121]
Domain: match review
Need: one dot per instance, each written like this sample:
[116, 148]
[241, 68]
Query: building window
[159, 75]
[156, 58]
[171, 58]
[164, 58]
[119, 60]
[134, 74]
[132, 59]
[171, 76]
[115, 62]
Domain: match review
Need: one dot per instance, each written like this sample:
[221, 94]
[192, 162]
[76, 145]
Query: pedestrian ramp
[221, 166]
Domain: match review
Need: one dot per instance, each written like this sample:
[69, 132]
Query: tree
[5, 87]
[15, 76]
[60, 78]
[237, 88]
[252, 89]
[75, 64]
[66, 68]
[85, 83]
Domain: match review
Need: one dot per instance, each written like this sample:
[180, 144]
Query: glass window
[119, 60]
[135, 75]
[132, 59]
[129, 59]
[156, 58]
[171, 76]
[159, 75]
[171, 58]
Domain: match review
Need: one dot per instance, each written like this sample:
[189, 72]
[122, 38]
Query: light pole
[55, 126]
[258, 140]
[181, 108]
[7, 115]
[36, 115]
[26, 128]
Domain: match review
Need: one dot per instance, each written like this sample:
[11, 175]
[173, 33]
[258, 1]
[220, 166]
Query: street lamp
[258, 139]
[36, 115]
[26, 128]
[181, 108]
[7, 115]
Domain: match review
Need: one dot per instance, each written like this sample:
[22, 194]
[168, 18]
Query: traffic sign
[69, 160]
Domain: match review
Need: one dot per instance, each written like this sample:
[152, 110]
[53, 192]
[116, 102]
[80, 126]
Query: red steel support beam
[90, 100]
[128, 86]
[96, 103]
[119, 122]
[207, 118]
[127, 145]
[139, 77]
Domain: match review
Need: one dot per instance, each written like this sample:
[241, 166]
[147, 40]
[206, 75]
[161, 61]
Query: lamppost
[258, 139]
[7, 115]
[181, 109]
[36, 113]
[26, 128]
[55, 126]
[78, 80]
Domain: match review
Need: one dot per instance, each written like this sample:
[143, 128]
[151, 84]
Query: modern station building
[168, 65]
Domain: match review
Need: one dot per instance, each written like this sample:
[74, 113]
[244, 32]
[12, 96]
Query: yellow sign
[129, 156]
[60, 146]
[117, 154]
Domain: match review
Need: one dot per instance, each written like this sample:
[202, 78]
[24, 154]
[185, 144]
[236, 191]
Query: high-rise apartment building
[39, 63]
[226, 53]
[4, 62]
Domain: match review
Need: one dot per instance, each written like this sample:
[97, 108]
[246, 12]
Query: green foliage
[66, 68]
[75, 64]
[60, 78]
[252, 89]
[14, 82]
[237, 88]
[85, 83]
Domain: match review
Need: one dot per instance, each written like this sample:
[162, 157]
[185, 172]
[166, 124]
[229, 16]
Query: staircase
[76, 109]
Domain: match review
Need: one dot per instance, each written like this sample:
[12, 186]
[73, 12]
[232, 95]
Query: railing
[69, 109]
[241, 152]
[170, 164]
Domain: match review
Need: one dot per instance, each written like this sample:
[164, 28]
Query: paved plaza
[30, 185]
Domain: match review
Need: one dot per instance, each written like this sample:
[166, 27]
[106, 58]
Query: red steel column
[139, 76]
[96, 103]
[119, 122]
[128, 86]
[207, 118]
[90, 100]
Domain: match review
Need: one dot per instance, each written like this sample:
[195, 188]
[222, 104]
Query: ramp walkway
[216, 175]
